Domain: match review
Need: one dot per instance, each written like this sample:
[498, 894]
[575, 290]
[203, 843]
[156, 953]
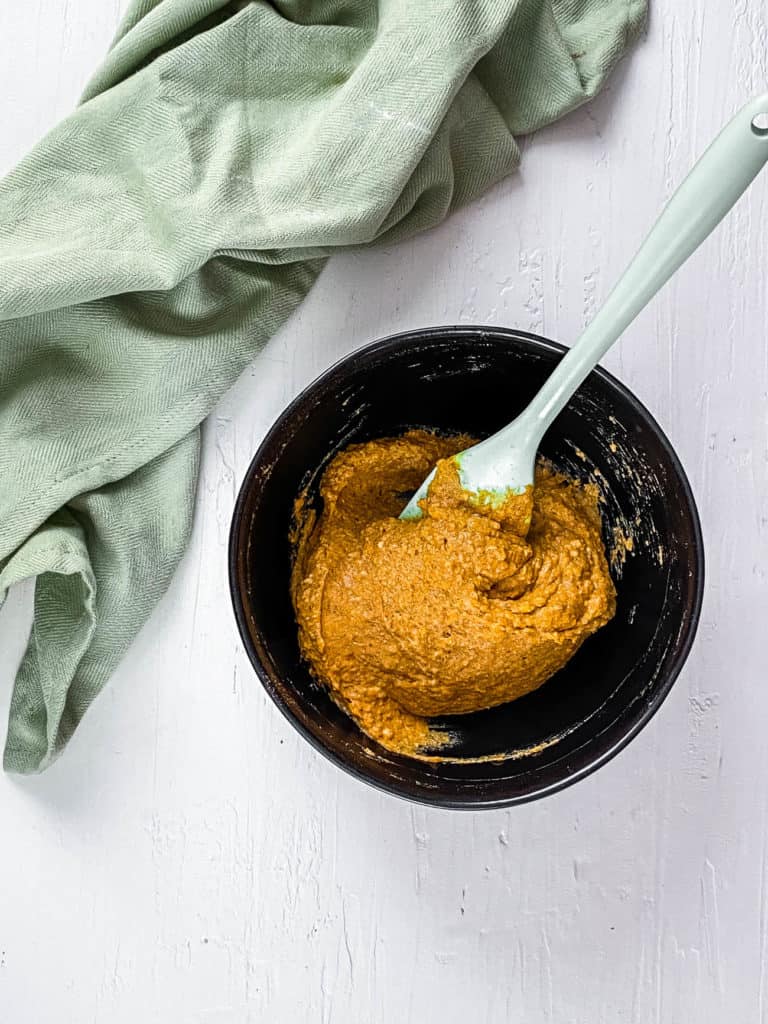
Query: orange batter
[460, 610]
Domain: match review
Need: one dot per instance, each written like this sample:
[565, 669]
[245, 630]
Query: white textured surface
[190, 859]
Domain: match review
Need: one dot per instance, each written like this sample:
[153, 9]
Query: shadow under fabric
[155, 240]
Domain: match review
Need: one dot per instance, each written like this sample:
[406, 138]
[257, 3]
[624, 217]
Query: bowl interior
[475, 380]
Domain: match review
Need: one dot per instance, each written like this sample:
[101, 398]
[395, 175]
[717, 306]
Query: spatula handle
[718, 179]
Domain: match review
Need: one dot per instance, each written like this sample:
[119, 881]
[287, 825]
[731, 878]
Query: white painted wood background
[190, 859]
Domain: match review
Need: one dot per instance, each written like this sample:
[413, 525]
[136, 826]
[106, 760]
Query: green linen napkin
[153, 242]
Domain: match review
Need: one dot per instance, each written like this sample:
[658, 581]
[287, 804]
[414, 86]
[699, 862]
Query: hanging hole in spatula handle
[760, 124]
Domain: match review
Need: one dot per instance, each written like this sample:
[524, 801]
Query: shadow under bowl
[474, 380]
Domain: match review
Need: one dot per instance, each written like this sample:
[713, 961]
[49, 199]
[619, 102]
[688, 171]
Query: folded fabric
[154, 241]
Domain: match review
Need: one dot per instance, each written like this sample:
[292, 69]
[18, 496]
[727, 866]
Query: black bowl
[473, 380]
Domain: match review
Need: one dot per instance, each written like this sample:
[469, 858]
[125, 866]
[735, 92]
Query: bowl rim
[639, 718]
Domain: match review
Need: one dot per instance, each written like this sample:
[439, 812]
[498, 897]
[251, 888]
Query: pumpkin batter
[460, 610]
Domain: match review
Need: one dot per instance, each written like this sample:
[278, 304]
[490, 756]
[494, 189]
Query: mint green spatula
[503, 464]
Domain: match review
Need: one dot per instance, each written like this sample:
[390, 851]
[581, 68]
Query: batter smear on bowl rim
[462, 609]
